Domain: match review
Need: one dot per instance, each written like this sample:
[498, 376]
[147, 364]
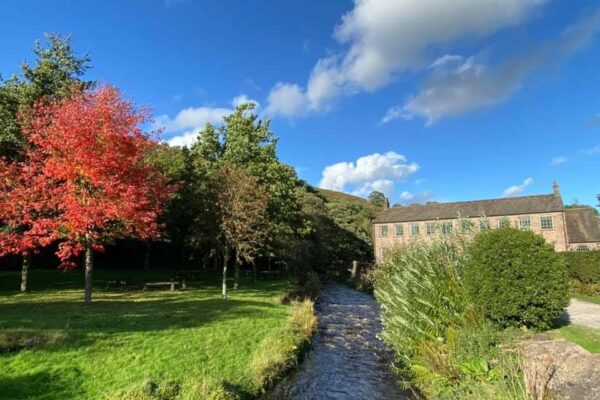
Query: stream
[346, 360]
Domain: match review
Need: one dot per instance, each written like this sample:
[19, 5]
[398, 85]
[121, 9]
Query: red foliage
[86, 179]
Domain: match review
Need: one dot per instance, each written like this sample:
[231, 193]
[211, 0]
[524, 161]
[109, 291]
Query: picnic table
[171, 285]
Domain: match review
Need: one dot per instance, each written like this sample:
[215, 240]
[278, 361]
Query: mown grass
[588, 338]
[133, 341]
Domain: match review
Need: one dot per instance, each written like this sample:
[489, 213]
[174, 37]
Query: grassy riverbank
[143, 345]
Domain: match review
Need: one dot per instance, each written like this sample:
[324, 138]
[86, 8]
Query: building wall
[589, 246]
[555, 236]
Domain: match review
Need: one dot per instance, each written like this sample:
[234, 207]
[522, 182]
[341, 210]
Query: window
[431, 228]
[484, 224]
[524, 222]
[583, 247]
[466, 225]
[383, 230]
[399, 230]
[546, 223]
[414, 229]
[504, 222]
[446, 227]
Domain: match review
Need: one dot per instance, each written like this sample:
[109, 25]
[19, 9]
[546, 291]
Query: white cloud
[191, 118]
[287, 100]
[385, 186]
[457, 85]
[372, 172]
[407, 198]
[241, 99]
[516, 190]
[185, 139]
[558, 160]
[383, 38]
[188, 122]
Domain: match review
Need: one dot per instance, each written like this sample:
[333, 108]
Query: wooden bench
[116, 285]
[171, 285]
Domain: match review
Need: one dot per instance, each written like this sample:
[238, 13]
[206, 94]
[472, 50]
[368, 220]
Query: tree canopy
[56, 73]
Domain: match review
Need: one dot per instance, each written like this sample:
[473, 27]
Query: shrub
[583, 266]
[516, 278]
[443, 345]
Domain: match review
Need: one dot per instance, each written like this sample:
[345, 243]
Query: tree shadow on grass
[119, 316]
[43, 385]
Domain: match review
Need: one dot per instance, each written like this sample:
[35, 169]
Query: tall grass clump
[445, 348]
[278, 353]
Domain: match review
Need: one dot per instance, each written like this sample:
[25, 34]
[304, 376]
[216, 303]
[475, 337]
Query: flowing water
[346, 360]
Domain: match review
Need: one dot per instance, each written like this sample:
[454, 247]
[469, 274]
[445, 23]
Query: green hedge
[583, 265]
[516, 278]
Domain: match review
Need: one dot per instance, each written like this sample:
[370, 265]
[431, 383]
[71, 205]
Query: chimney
[386, 205]
[556, 189]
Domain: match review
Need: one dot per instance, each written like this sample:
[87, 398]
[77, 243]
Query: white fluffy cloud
[287, 100]
[385, 186]
[191, 118]
[457, 85]
[383, 38]
[559, 160]
[516, 190]
[189, 121]
[407, 198]
[372, 172]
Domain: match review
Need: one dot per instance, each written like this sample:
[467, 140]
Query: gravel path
[583, 313]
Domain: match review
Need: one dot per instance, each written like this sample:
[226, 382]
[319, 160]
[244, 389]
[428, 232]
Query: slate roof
[582, 225]
[490, 208]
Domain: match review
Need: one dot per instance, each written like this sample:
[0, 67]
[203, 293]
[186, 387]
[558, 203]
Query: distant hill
[333, 196]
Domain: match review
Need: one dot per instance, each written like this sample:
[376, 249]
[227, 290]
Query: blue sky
[429, 99]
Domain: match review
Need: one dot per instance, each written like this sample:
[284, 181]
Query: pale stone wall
[589, 246]
[555, 236]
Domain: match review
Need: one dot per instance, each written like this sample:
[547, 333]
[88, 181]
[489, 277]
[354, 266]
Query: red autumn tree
[87, 162]
[27, 212]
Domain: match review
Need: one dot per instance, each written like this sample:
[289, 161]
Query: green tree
[244, 225]
[378, 199]
[56, 73]
[244, 142]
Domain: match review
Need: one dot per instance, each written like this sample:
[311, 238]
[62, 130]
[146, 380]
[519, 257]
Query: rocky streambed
[346, 360]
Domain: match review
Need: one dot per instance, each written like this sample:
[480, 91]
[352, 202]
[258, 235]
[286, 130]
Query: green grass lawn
[588, 338]
[125, 338]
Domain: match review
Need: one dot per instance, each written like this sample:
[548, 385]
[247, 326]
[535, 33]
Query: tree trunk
[225, 262]
[236, 274]
[25, 272]
[147, 257]
[89, 266]
[254, 272]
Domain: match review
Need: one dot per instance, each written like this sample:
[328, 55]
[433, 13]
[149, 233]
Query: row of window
[431, 228]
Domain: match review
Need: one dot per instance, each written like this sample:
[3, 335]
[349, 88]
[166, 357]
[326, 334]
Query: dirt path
[583, 313]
